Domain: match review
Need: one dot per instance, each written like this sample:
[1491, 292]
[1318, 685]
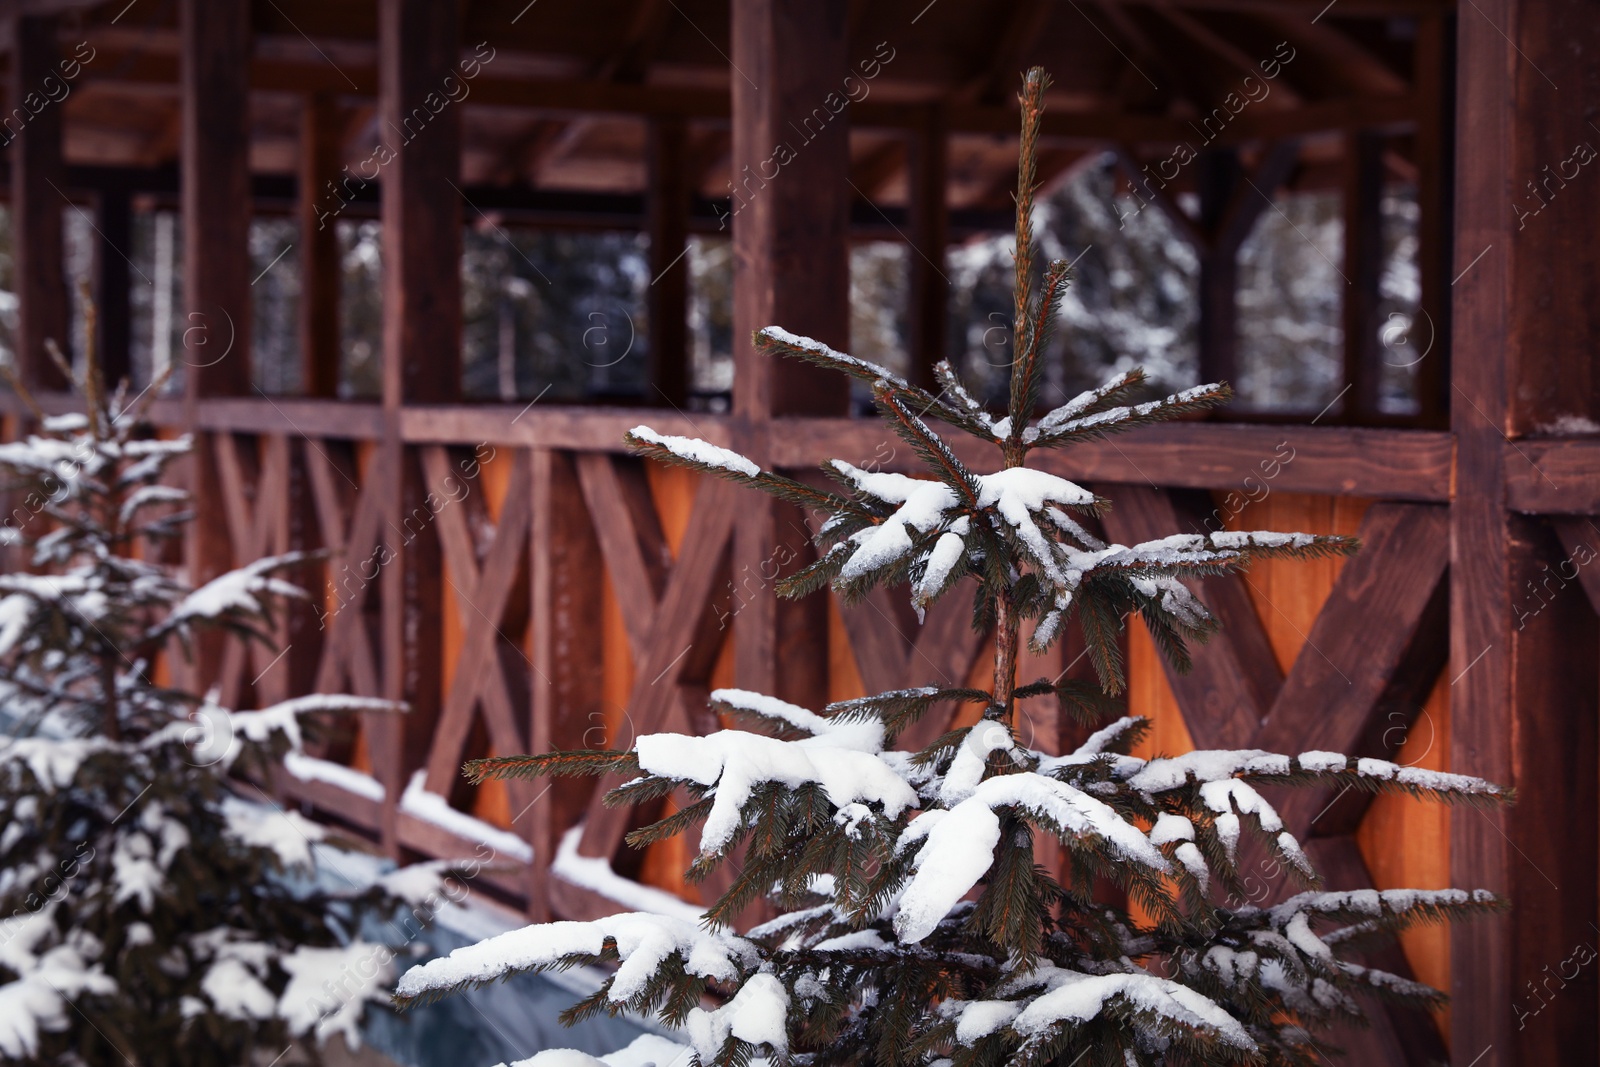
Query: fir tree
[149, 913]
[916, 926]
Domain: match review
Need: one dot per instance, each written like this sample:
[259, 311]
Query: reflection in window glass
[155, 297]
[710, 322]
[275, 306]
[360, 309]
[1403, 341]
[879, 297]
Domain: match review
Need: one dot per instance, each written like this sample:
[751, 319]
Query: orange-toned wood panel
[1404, 841]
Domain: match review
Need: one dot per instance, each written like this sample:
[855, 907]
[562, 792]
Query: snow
[134, 873]
[864, 735]
[807, 344]
[647, 1050]
[736, 761]
[594, 873]
[1170, 828]
[972, 760]
[54, 762]
[643, 941]
[1205, 765]
[702, 453]
[1077, 998]
[757, 1013]
[36, 1001]
[329, 988]
[947, 552]
[235, 991]
[238, 590]
[1318, 761]
[980, 1018]
[435, 809]
[310, 769]
[959, 849]
[287, 833]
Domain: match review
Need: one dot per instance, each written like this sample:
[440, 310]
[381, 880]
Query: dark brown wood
[1363, 265]
[1397, 1035]
[215, 181]
[1428, 341]
[1332, 461]
[1353, 656]
[790, 199]
[113, 246]
[681, 618]
[929, 313]
[322, 125]
[668, 296]
[421, 202]
[1552, 476]
[1220, 181]
[32, 129]
[1580, 538]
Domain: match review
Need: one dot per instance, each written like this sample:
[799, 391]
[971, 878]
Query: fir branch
[553, 764]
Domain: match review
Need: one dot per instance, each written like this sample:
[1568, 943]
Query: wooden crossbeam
[257, 517]
[1235, 677]
[481, 593]
[352, 534]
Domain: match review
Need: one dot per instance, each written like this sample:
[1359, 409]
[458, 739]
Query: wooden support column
[1218, 175]
[321, 152]
[668, 218]
[790, 195]
[1430, 335]
[1363, 264]
[1522, 698]
[215, 189]
[417, 50]
[113, 245]
[930, 235]
[37, 201]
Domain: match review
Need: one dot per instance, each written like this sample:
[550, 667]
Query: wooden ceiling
[565, 101]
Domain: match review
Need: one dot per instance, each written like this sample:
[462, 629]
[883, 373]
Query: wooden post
[1363, 264]
[32, 127]
[1429, 338]
[930, 234]
[1526, 271]
[215, 189]
[790, 214]
[417, 51]
[215, 194]
[668, 211]
[321, 148]
[1217, 173]
[113, 244]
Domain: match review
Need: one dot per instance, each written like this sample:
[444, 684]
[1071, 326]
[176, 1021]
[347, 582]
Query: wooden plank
[114, 237]
[929, 313]
[1483, 974]
[418, 49]
[701, 567]
[667, 200]
[37, 200]
[1552, 476]
[791, 235]
[1429, 339]
[1323, 460]
[631, 541]
[322, 124]
[583, 429]
[1363, 266]
[1580, 537]
[1235, 677]
[215, 173]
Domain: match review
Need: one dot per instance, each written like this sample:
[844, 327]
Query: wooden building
[566, 595]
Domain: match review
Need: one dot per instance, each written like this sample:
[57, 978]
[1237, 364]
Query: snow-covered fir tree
[915, 925]
[154, 908]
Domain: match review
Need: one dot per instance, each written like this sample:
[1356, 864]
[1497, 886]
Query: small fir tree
[148, 914]
[915, 925]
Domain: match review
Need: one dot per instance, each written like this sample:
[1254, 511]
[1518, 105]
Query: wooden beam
[1363, 267]
[215, 182]
[1004, 60]
[322, 125]
[667, 201]
[1428, 341]
[113, 245]
[1522, 706]
[1235, 677]
[929, 313]
[1358, 644]
[33, 130]
[418, 49]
